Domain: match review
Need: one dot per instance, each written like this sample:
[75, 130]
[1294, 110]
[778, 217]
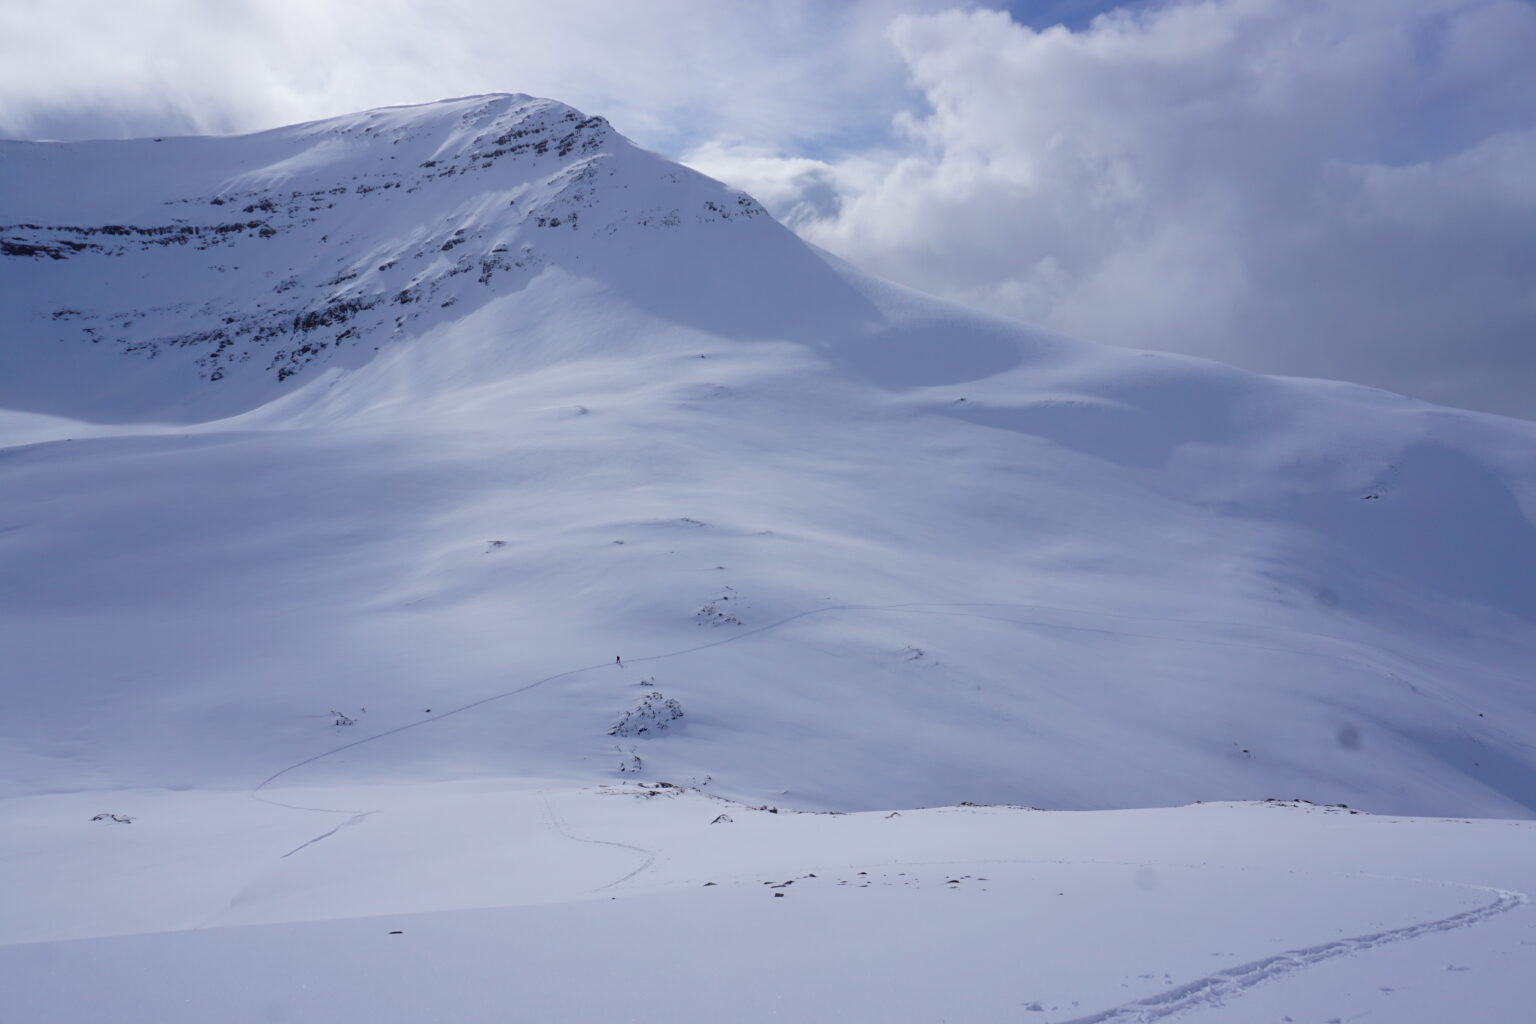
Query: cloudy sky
[1340, 188]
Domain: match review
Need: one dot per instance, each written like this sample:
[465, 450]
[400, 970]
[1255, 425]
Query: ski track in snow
[910, 607]
[1215, 990]
[1203, 993]
[554, 822]
[355, 819]
[1208, 991]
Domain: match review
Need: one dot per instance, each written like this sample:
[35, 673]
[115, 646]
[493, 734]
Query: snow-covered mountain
[421, 406]
[532, 525]
[260, 257]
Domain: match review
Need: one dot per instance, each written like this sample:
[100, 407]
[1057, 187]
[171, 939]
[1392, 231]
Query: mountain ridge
[502, 178]
[888, 550]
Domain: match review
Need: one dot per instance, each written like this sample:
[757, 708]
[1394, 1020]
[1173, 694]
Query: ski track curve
[554, 822]
[1214, 990]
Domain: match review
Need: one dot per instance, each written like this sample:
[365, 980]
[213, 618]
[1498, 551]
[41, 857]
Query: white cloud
[1318, 188]
[670, 72]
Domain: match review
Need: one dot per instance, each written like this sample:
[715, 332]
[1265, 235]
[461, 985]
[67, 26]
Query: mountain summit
[253, 260]
[564, 461]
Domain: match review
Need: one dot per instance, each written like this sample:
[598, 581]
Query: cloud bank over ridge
[1342, 190]
[1324, 189]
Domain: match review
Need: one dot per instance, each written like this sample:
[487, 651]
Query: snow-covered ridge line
[348, 233]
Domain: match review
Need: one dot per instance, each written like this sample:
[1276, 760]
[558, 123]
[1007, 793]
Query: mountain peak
[244, 261]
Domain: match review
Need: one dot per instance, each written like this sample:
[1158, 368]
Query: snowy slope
[418, 407]
[390, 505]
[493, 902]
[256, 257]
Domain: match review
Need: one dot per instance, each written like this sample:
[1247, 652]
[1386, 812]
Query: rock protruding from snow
[654, 714]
